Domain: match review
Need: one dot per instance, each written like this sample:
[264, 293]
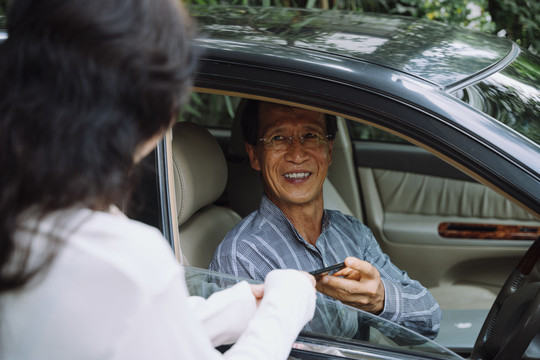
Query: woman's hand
[257, 291]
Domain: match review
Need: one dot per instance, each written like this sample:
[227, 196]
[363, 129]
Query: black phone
[328, 269]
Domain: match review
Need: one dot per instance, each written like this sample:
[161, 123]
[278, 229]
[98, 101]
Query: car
[438, 152]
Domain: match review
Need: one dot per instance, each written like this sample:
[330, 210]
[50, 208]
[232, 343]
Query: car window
[511, 96]
[378, 332]
[210, 110]
[217, 112]
[415, 193]
[364, 132]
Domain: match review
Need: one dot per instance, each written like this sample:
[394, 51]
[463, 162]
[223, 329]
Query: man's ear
[253, 159]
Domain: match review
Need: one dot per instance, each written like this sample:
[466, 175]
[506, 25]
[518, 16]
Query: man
[292, 149]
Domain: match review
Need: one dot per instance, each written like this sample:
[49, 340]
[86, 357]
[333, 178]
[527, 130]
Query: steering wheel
[513, 322]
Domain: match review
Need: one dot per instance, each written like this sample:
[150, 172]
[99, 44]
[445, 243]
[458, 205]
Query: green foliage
[519, 20]
[360, 131]
[209, 110]
[3, 7]
[465, 13]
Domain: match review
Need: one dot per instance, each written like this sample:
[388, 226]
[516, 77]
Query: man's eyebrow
[313, 127]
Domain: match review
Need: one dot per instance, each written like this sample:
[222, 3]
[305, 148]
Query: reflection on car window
[210, 110]
[511, 96]
[364, 132]
[369, 328]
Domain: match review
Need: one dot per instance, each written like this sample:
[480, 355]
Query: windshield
[511, 96]
[336, 328]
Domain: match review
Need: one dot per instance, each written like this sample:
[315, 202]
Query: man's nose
[296, 151]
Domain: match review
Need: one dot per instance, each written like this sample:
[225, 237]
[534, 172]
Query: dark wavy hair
[84, 83]
[250, 122]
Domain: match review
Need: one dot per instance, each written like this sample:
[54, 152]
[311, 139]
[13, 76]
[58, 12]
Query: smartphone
[328, 269]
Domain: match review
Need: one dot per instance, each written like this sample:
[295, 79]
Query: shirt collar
[270, 210]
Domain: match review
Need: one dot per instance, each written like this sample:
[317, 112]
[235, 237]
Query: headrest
[200, 169]
[238, 146]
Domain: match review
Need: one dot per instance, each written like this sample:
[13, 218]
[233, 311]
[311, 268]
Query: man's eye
[311, 136]
[279, 138]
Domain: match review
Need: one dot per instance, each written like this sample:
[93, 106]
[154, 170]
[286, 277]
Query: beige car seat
[200, 176]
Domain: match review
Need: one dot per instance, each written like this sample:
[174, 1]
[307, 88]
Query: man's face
[293, 174]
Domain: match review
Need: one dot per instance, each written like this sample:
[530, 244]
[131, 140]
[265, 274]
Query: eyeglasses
[309, 140]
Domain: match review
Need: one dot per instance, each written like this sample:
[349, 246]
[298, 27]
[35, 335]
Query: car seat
[200, 176]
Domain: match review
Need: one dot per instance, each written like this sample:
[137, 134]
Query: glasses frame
[270, 143]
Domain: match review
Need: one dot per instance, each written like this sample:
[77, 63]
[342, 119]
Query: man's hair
[250, 122]
[84, 83]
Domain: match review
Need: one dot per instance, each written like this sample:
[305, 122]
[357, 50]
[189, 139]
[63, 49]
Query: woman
[88, 88]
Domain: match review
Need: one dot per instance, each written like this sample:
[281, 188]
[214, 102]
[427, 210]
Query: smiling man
[292, 149]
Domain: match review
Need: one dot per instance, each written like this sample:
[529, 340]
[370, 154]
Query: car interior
[458, 237]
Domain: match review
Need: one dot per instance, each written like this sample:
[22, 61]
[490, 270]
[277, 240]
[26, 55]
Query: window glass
[370, 328]
[364, 132]
[210, 110]
[511, 96]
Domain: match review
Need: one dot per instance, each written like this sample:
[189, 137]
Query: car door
[456, 236]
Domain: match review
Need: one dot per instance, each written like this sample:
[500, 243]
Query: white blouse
[116, 291]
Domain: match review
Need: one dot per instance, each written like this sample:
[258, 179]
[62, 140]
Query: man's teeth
[297, 175]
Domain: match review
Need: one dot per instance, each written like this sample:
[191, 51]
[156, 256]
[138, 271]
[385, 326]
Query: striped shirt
[266, 240]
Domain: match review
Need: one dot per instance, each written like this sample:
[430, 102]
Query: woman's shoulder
[138, 251]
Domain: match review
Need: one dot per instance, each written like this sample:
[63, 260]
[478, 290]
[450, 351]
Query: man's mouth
[297, 175]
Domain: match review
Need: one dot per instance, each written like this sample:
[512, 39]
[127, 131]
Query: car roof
[440, 54]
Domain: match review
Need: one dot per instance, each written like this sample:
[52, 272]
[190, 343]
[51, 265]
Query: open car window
[370, 330]
[433, 220]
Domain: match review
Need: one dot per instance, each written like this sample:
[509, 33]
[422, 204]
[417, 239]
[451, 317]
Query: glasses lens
[310, 140]
[313, 140]
[280, 142]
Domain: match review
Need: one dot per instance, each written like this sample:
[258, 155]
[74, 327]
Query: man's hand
[358, 285]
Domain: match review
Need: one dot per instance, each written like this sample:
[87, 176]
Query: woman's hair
[249, 120]
[84, 83]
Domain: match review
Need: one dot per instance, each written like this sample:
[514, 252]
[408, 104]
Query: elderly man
[292, 149]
